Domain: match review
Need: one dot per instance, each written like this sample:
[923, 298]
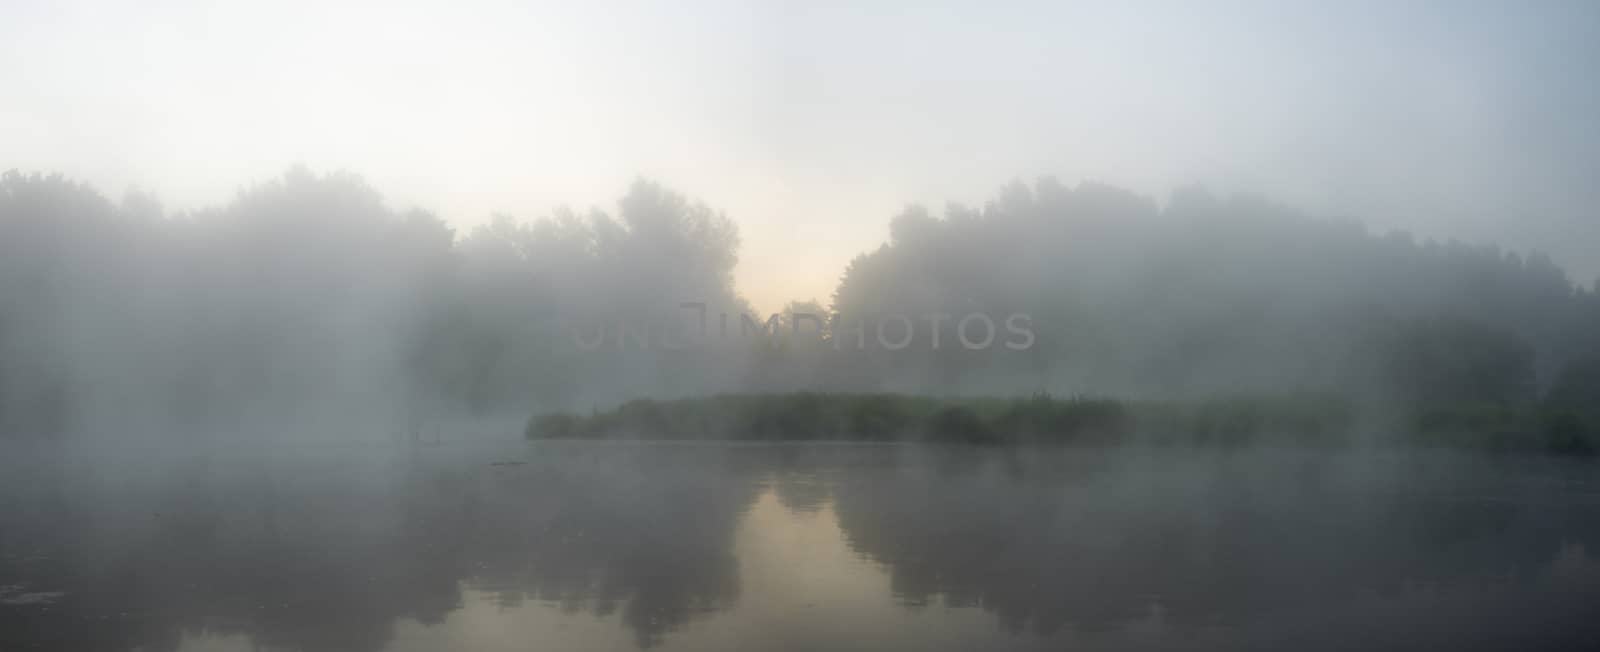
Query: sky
[812, 123]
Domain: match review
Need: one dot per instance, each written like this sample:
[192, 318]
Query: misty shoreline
[307, 308]
[1296, 420]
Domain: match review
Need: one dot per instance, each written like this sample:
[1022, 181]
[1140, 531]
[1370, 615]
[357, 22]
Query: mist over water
[295, 421]
[307, 305]
[711, 546]
[793, 326]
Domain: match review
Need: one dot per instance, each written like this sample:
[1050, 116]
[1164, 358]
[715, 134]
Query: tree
[1450, 361]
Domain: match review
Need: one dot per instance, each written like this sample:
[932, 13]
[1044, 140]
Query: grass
[1046, 420]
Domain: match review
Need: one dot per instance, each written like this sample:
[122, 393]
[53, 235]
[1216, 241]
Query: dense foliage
[308, 301]
[1044, 420]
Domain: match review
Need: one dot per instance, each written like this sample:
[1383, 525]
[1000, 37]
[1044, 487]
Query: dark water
[801, 547]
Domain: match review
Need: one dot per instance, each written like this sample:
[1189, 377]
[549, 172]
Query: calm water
[795, 547]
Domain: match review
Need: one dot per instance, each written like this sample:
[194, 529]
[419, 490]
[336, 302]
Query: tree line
[306, 301]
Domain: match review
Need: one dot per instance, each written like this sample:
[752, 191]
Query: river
[620, 546]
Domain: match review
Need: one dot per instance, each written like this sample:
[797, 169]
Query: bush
[552, 426]
[1568, 433]
[959, 425]
[1040, 419]
[1447, 360]
[877, 417]
[1577, 389]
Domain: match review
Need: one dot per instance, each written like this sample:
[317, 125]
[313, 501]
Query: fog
[1186, 200]
[729, 548]
[912, 326]
[810, 123]
[307, 303]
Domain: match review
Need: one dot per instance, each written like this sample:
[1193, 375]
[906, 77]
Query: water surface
[573, 546]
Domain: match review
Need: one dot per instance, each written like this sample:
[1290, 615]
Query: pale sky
[812, 123]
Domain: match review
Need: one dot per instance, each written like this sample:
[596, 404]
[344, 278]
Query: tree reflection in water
[1257, 549]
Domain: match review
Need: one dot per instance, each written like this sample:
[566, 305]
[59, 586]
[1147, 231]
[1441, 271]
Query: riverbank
[1044, 420]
